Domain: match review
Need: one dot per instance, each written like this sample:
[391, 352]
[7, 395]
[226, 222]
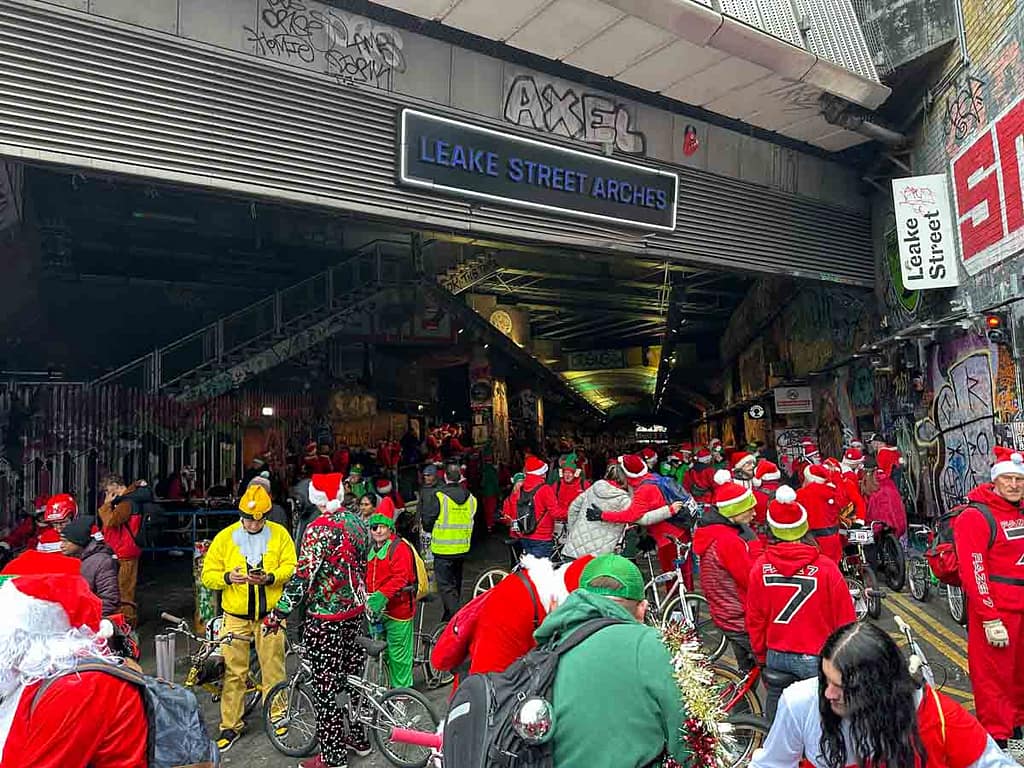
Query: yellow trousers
[269, 649]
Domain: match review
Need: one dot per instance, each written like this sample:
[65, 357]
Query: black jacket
[430, 507]
[99, 569]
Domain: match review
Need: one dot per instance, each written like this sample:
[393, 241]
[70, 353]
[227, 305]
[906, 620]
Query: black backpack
[177, 733]
[478, 732]
[526, 516]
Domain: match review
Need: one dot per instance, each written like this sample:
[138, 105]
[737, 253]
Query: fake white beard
[253, 545]
[550, 583]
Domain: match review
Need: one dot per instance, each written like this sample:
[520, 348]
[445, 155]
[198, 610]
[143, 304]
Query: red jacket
[24, 535]
[317, 465]
[646, 497]
[852, 483]
[699, 482]
[796, 598]
[992, 574]
[100, 719]
[567, 492]
[34, 561]
[545, 507]
[886, 505]
[391, 575]
[504, 629]
[819, 499]
[725, 562]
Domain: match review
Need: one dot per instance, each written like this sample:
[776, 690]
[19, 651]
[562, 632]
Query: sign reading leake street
[924, 226]
[458, 158]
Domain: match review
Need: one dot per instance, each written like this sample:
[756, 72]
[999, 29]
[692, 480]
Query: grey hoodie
[597, 537]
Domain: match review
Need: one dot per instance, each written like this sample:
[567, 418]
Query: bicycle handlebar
[416, 738]
[170, 617]
[901, 624]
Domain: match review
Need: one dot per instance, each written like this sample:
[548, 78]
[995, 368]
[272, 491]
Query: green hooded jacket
[616, 704]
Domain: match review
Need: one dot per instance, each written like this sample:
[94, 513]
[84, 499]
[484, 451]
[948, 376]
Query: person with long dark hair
[865, 709]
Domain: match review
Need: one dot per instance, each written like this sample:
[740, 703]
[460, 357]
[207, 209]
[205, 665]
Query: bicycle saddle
[372, 648]
[775, 678]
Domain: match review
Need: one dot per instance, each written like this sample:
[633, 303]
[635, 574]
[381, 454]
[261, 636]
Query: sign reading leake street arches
[458, 158]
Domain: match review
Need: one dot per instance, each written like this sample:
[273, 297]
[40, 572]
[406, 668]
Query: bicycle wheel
[712, 639]
[488, 579]
[874, 600]
[741, 735]
[919, 575]
[957, 605]
[298, 720]
[403, 708]
[892, 562]
[730, 682]
[860, 601]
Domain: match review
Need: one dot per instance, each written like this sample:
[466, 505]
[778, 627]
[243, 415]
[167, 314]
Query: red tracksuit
[851, 481]
[796, 598]
[819, 499]
[390, 575]
[699, 482]
[993, 580]
[725, 563]
[567, 492]
[545, 507]
[647, 497]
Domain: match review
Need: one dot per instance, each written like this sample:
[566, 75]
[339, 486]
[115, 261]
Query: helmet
[60, 508]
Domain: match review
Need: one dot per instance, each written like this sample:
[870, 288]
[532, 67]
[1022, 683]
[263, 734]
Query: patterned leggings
[333, 654]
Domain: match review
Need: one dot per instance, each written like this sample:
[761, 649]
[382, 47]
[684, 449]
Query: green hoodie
[615, 700]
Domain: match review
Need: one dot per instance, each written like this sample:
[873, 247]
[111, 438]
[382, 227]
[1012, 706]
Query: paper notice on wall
[11, 178]
[793, 400]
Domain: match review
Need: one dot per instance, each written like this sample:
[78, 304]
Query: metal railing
[226, 340]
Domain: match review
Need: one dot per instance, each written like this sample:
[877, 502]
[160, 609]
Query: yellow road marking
[916, 622]
[918, 608]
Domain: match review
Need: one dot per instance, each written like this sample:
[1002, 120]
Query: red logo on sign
[987, 180]
[690, 141]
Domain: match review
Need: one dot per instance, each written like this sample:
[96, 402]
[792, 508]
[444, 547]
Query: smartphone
[255, 571]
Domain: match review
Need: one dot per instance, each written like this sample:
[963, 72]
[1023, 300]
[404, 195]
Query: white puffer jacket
[588, 537]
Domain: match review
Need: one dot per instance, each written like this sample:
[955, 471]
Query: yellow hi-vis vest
[454, 527]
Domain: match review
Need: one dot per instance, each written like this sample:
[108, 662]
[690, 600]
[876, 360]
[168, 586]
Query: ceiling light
[268, 410]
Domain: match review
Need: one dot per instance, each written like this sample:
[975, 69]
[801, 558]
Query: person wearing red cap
[727, 547]
[52, 716]
[650, 457]
[391, 590]
[809, 456]
[47, 556]
[314, 462]
[852, 467]
[498, 630]
[743, 466]
[25, 534]
[796, 596]
[685, 456]
[546, 509]
[989, 539]
[766, 481]
[385, 489]
[818, 496]
[699, 481]
[647, 498]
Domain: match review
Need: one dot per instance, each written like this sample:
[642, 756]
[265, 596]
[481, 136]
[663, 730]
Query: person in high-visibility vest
[450, 524]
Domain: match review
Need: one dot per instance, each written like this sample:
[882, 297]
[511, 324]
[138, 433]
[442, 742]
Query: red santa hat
[742, 457]
[326, 491]
[853, 457]
[1008, 462]
[704, 456]
[311, 448]
[816, 473]
[633, 466]
[383, 486]
[808, 447]
[767, 472]
[731, 498]
[574, 570]
[786, 518]
[48, 541]
[686, 448]
[535, 467]
[51, 604]
[648, 453]
[715, 443]
[888, 457]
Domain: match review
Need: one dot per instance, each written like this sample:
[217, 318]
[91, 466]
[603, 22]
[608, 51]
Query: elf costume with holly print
[390, 587]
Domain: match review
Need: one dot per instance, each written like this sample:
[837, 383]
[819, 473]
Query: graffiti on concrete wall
[965, 108]
[1007, 404]
[552, 106]
[314, 35]
[862, 388]
[902, 304]
[787, 444]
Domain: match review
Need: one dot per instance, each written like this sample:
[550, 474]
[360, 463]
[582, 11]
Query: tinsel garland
[696, 681]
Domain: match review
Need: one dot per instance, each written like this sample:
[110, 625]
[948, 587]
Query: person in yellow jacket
[249, 562]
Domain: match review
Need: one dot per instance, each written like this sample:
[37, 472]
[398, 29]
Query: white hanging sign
[925, 227]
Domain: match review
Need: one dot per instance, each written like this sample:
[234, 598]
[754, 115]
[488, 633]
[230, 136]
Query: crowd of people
[769, 555]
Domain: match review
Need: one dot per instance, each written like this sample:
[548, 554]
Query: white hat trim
[633, 475]
[812, 478]
[543, 470]
[785, 526]
[1015, 466]
[769, 476]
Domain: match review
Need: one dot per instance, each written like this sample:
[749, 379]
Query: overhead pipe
[842, 113]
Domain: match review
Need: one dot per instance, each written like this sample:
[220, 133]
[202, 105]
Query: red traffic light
[993, 321]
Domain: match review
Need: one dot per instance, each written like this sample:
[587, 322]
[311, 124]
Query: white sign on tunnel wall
[924, 227]
[793, 400]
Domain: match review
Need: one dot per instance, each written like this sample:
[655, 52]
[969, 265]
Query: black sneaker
[226, 740]
[359, 744]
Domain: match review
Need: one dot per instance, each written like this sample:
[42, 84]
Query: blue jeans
[800, 665]
[537, 547]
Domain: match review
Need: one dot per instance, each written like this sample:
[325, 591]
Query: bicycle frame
[748, 685]
[679, 588]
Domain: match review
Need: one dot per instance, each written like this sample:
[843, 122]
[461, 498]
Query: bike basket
[861, 536]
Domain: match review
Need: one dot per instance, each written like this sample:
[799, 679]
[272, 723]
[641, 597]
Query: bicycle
[206, 663]
[492, 576]
[293, 732]
[923, 581]
[368, 704]
[891, 560]
[423, 647]
[860, 579]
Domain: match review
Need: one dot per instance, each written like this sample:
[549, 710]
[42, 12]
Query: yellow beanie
[255, 503]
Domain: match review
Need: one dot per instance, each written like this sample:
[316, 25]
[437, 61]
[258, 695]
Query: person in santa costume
[809, 455]
[765, 483]
[47, 556]
[743, 466]
[884, 503]
[570, 483]
[497, 627]
[650, 457]
[391, 590]
[545, 508]
[314, 463]
[864, 708]
[718, 460]
[852, 467]
[818, 496]
[989, 539]
[51, 716]
[796, 596]
[847, 510]
[648, 497]
[25, 534]
[727, 548]
[699, 482]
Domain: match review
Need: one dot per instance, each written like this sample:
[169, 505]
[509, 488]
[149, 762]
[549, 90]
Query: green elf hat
[385, 514]
[356, 470]
[616, 568]
[731, 498]
[569, 461]
[787, 519]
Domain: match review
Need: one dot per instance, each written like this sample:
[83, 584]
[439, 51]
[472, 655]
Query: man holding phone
[249, 562]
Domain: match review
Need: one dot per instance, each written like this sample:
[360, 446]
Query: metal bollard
[160, 642]
[172, 656]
